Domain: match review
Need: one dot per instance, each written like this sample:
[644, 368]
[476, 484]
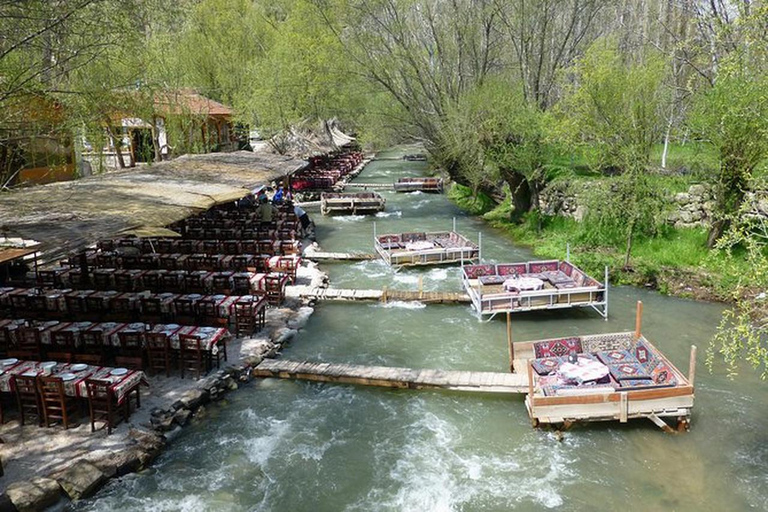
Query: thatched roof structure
[69, 216]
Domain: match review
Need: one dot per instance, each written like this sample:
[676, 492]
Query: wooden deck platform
[369, 186]
[393, 377]
[385, 295]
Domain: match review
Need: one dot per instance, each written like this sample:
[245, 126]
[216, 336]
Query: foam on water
[406, 278]
[396, 213]
[401, 304]
[348, 218]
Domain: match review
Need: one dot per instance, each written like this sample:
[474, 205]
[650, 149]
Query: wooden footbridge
[393, 377]
[339, 256]
[385, 295]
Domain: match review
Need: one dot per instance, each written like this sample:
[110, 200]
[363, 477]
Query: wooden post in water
[384, 295]
[530, 388]
[692, 365]
[421, 287]
[509, 343]
[638, 319]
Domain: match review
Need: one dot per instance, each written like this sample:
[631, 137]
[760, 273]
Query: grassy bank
[676, 262]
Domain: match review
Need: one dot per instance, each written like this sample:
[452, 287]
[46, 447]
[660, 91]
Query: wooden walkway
[392, 377]
[338, 256]
[371, 186]
[308, 292]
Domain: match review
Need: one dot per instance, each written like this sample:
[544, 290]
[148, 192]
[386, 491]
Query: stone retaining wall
[687, 209]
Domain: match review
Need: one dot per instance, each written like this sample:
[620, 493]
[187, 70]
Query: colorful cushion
[616, 356]
[510, 269]
[641, 384]
[475, 271]
[547, 365]
[644, 353]
[541, 266]
[578, 277]
[413, 237]
[389, 239]
[566, 268]
[662, 374]
[557, 348]
[631, 370]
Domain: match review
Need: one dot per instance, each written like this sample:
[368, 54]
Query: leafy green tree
[614, 108]
[733, 116]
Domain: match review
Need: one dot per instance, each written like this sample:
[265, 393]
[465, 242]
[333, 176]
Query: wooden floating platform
[317, 293]
[360, 203]
[434, 185]
[425, 248]
[393, 377]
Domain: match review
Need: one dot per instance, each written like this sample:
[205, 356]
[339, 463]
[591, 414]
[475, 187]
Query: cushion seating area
[637, 366]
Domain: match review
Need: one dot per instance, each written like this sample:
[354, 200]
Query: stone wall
[687, 209]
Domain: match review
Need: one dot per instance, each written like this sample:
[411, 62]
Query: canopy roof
[70, 216]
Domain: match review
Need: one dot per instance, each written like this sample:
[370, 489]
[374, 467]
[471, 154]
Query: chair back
[151, 281]
[192, 359]
[64, 340]
[56, 404]
[28, 339]
[130, 362]
[27, 397]
[158, 352]
[222, 283]
[102, 279]
[61, 357]
[193, 283]
[131, 343]
[75, 304]
[124, 282]
[102, 404]
[89, 359]
[151, 306]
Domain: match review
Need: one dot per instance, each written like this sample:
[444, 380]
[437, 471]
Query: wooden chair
[97, 307]
[164, 245]
[92, 342]
[28, 340]
[170, 283]
[63, 341]
[102, 280]
[130, 261]
[131, 344]
[24, 355]
[124, 282]
[184, 310]
[193, 283]
[222, 283]
[102, 404]
[210, 246]
[148, 261]
[230, 247]
[240, 263]
[151, 309]
[169, 261]
[158, 353]
[122, 309]
[55, 403]
[191, 357]
[27, 398]
[186, 246]
[47, 278]
[76, 306]
[274, 284]
[151, 281]
[19, 305]
[241, 284]
[246, 319]
[90, 359]
[208, 314]
[106, 260]
[6, 342]
[196, 262]
[249, 247]
[37, 307]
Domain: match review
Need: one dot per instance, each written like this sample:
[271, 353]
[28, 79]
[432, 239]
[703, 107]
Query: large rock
[36, 494]
[682, 198]
[119, 463]
[699, 190]
[81, 479]
[194, 398]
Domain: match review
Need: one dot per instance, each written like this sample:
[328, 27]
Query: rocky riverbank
[48, 467]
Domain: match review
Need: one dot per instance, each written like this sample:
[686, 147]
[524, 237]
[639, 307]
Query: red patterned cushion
[615, 357]
[557, 348]
[566, 268]
[475, 271]
[578, 277]
[541, 266]
[414, 237]
[510, 269]
[389, 239]
[662, 374]
[547, 365]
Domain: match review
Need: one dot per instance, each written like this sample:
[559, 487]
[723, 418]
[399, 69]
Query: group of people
[268, 208]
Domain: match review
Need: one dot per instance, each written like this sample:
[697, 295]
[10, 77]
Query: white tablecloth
[523, 283]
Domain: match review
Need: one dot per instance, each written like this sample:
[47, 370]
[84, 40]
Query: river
[299, 446]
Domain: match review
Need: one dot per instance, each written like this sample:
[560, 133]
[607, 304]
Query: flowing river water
[300, 446]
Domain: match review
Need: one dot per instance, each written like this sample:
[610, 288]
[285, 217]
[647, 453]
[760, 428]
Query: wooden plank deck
[393, 377]
[309, 292]
[372, 186]
[339, 256]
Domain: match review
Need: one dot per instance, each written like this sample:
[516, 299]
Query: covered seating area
[325, 171]
[434, 185]
[533, 285]
[359, 203]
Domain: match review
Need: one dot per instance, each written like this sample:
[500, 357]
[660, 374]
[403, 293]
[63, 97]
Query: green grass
[476, 205]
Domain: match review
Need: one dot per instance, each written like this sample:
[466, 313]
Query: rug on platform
[547, 365]
[557, 348]
[629, 370]
[616, 356]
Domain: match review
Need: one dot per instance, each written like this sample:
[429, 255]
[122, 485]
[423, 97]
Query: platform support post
[454, 224]
[692, 365]
[568, 252]
[510, 344]
[605, 295]
[639, 320]
[480, 246]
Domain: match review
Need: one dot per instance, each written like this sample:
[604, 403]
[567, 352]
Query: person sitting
[267, 211]
[278, 197]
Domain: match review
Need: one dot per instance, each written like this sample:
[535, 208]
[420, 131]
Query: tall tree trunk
[520, 190]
